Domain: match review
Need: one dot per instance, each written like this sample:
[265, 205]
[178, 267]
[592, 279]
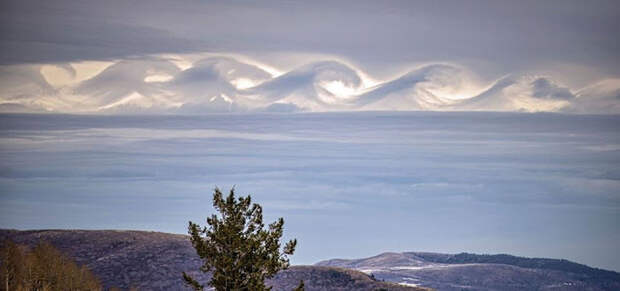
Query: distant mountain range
[481, 272]
[154, 261]
[225, 84]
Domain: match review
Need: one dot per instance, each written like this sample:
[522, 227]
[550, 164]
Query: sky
[382, 125]
[193, 57]
[348, 185]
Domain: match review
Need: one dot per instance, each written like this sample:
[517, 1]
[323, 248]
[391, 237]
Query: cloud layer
[378, 181]
[177, 84]
[120, 56]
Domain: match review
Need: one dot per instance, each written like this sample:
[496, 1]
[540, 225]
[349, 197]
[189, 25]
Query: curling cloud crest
[228, 84]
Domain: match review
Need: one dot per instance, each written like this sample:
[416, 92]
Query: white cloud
[158, 84]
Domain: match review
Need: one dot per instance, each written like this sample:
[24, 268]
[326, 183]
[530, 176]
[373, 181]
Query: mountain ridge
[481, 272]
[152, 260]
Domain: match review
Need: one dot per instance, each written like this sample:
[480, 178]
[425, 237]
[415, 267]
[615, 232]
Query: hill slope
[154, 261]
[481, 272]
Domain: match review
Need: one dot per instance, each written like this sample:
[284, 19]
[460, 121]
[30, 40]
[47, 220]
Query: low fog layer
[347, 184]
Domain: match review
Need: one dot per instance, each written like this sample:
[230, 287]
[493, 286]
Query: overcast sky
[495, 36]
[572, 43]
[348, 185]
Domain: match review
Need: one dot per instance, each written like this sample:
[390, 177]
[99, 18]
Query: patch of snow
[368, 271]
[408, 284]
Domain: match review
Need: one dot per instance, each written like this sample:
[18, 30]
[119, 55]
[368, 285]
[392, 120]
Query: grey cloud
[493, 97]
[208, 85]
[403, 91]
[490, 38]
[64, 31]
[507, 93]
[211, 78]
[602, 97]
[505, 37]
[485, 169]
[546, 89]
[123, 78]
[25, 81]
[19, 108]
[304, 82]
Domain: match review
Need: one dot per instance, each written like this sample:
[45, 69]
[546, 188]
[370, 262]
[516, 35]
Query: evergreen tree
[237, 248]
